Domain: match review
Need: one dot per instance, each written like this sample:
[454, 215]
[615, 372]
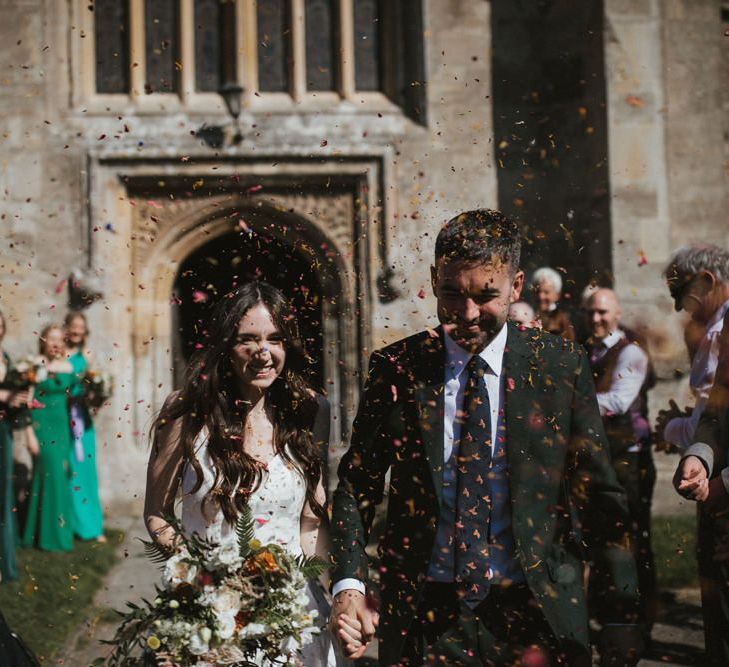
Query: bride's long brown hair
[208, 400]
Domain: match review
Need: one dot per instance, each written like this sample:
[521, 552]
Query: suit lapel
[429, 401]
[520, 380]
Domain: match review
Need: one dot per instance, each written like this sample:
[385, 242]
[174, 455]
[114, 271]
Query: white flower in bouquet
[225, 557]
[41, 372]
[178, 570]
[227, 601]
[288, 646]
[225, 625]
[199, 643]
[254, 630]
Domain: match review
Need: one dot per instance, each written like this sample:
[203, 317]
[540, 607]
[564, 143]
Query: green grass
[47, 603]
[674, 550]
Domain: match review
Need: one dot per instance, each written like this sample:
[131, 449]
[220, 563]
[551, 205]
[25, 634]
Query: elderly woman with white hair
[547, 286]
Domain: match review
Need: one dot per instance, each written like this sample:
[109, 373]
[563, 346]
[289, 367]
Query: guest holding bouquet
[13, 415]
[50, 511]
[88, 518]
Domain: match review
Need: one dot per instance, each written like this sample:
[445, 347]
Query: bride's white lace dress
[276, 507]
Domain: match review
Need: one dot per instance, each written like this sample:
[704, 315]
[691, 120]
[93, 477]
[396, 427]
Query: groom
[500, 483]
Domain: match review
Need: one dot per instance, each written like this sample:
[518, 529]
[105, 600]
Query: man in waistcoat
[623, 375]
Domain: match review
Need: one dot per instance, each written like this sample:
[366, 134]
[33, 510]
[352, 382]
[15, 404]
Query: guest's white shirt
[629, 374]
[680, 430]
[504, 564]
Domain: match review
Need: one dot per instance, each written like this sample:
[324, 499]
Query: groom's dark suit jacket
[564, 495]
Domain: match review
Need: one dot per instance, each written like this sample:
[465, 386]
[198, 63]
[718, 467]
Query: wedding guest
[522, 314]
[583, 331]
[623, 375]
[88, 518]
[698, 280]
[49, 525]
[703, 475]
[13, 415]
[547, 286]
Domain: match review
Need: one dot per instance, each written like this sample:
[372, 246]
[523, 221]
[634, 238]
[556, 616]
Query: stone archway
[315, 224]
[280, 247]
[147, 216]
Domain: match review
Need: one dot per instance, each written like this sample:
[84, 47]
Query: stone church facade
[363, 126]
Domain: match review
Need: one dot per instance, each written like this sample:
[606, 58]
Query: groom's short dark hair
[478, 236]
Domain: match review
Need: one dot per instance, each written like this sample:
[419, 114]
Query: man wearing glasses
[698, 279]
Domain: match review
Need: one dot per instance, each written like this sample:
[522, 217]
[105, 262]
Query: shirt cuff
[345, 584]
[704, 453]
[674, 432]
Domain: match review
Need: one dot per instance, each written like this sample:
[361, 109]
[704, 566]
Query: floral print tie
[473, 505]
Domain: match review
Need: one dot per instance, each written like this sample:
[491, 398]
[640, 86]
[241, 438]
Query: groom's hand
[353, 622]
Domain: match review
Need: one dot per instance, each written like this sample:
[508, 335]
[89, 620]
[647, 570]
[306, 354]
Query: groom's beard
[475, 335]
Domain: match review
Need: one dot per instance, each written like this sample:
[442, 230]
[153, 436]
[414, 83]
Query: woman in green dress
[14, 415]
[49, 525]
[88, 518]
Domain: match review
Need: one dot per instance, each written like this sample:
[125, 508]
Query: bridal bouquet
[27, 372]
[219, 604]
[98, 388]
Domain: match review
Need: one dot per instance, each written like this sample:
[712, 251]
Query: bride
[242, 432]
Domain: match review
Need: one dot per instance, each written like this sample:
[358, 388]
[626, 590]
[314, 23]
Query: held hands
[353, 622]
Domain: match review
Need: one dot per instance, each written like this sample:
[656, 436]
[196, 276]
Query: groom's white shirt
[504, 564]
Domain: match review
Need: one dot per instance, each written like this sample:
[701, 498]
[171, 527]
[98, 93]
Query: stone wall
[63, 204]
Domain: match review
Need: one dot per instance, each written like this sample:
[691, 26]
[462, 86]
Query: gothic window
[364, 50]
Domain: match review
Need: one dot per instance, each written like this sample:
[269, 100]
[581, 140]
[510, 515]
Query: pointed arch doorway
[263, 242]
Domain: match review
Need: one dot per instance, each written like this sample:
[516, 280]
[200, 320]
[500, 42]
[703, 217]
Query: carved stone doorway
[319, 221]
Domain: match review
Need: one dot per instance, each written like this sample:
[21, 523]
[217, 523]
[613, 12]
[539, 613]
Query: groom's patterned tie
[473, 505]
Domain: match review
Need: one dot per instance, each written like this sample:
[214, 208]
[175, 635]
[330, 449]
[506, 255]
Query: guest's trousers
[637, 475]
[506, 628]
[714, 578]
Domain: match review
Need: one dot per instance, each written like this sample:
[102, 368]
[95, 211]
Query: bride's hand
[353, 622]
[349, 634]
